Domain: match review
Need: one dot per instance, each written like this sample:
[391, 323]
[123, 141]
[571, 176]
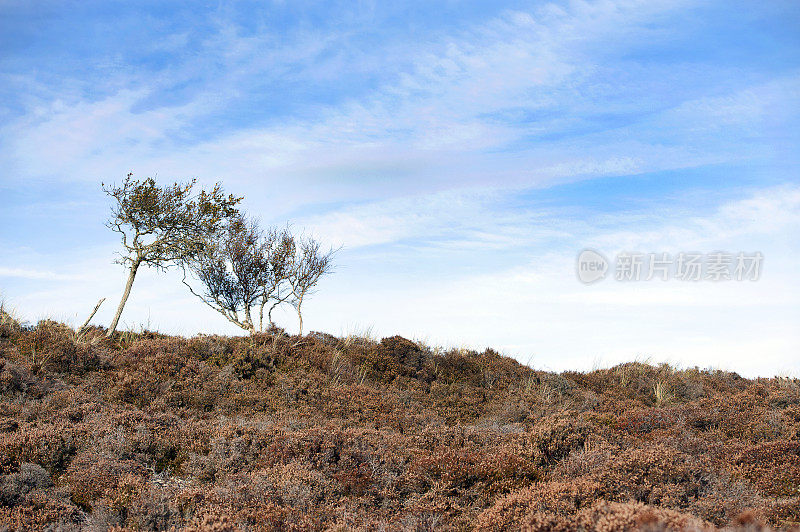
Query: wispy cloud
[21, 273]
[540, 307]
[454, 110]
[462, 155]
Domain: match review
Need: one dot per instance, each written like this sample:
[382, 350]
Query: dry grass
[9, 323]
[661, 392]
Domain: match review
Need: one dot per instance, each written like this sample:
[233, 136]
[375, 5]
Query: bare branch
[86, 323]
[245, 267]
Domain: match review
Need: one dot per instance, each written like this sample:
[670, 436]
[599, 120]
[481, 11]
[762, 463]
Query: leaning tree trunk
[125, 294]
[248, 320]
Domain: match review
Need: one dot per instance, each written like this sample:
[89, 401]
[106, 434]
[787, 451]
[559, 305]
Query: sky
[461, 153]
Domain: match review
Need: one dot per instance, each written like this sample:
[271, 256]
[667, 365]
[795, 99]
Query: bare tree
[309, 265]
[163, 225]
[246, 268]
[278, 291]
[233, 269]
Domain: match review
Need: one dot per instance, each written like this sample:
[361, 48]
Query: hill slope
[147, 432]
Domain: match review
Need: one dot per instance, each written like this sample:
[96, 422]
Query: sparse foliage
[246, 268]
[234, 271]
[309, 265]
[160, 226]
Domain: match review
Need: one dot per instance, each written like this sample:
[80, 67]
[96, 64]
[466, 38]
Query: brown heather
[278, 432]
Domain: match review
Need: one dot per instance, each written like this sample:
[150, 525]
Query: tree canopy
[161, 225]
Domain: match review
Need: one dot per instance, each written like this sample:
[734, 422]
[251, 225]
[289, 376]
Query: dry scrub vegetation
[150, 432]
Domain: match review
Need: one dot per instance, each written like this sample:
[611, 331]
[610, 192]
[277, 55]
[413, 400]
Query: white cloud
[771, 211]
[22, 273]
[430, 127]
[541, 309]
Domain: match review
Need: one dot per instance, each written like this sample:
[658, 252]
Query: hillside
[149, 432]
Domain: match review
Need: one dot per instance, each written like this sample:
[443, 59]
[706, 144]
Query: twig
[86, 323]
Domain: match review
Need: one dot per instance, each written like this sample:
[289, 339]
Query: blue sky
[462, 153]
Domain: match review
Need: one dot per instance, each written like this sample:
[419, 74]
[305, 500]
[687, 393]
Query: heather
[143, 431]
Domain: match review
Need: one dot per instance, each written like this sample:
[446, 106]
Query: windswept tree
[245, 269]
[281, 262]
[161, 226]
[233, 268]
[309, 265]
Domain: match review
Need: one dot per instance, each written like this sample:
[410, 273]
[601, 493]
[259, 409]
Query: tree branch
[86, 323]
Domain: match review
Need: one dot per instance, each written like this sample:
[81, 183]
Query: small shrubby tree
[233, 270]
[309, 265]
[161, 226]
[281, 261]
[247, 268]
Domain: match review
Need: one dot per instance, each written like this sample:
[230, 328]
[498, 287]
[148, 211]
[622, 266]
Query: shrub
[279, 432]
[554, 438]
[250, 360]
[14, 486]
[773, 467]
[50, 445]
[655, 475]
[560, 499]
[14, 378]
[408, 358]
